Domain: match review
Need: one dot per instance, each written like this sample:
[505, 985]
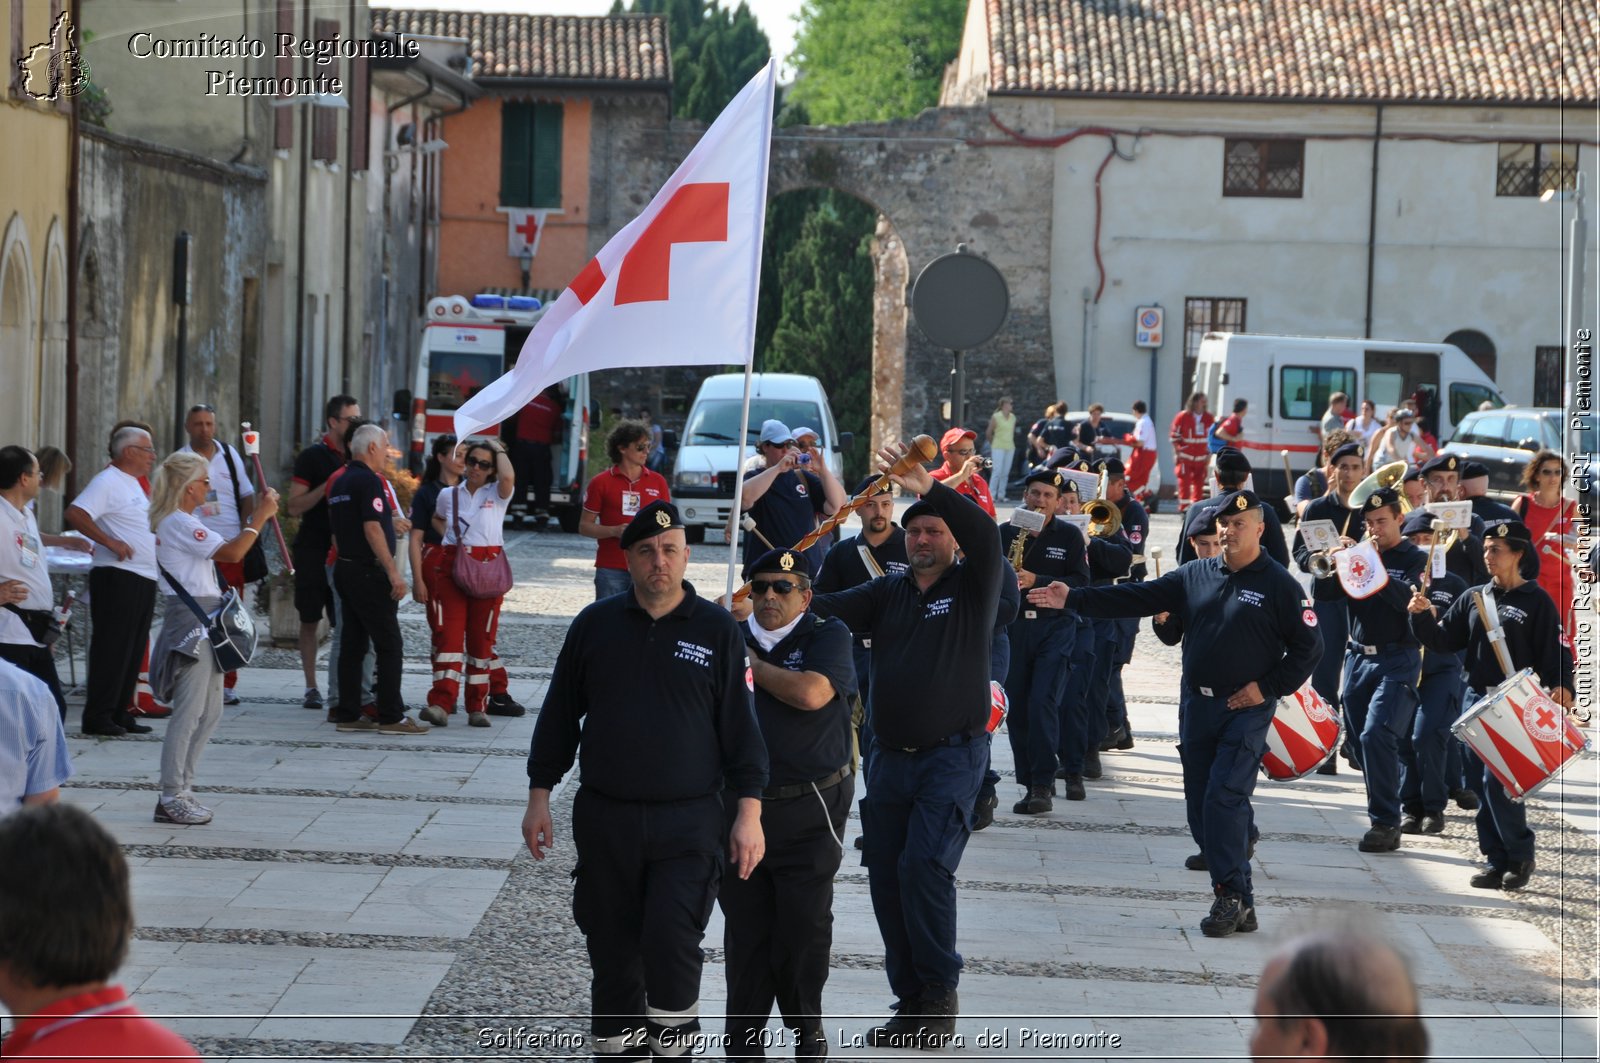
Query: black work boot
[1228, 914]
[1517, 875]
[1075, 790]
[1091, 765]
[901, 1029]
[1039, 800]
[938, 1021]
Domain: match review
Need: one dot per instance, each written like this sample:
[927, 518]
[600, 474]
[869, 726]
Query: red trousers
[1191, 480]
[464, 633]
[1139, 466]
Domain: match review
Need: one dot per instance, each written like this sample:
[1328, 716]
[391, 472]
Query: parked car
[1506, 439]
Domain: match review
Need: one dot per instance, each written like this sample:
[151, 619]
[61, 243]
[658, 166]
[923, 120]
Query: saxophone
[1019, 547]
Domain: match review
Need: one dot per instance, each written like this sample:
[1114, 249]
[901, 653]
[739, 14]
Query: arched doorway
[18, 353]
[1477, 346]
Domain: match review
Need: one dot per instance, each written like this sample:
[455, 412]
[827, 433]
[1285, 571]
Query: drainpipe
[70, 443]
[1372, 217]
[300, 254]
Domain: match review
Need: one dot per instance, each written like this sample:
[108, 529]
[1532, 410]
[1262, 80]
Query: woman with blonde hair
[183, 671]
[1001, 436]
[1553, 525]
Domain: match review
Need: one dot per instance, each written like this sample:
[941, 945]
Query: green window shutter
[516, 155]
[545, 155]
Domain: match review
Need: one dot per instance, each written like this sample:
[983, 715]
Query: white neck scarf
[768, 639]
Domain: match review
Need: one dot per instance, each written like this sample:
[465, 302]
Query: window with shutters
[1263, 167]
[325, 120]
[530, 154]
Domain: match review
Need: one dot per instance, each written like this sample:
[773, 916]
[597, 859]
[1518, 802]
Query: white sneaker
[229, 697]
[181, 812]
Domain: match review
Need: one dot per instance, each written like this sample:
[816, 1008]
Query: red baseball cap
[954, 436]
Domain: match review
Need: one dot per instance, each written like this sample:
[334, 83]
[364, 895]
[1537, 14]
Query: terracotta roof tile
[626, 48]
[1491, 51]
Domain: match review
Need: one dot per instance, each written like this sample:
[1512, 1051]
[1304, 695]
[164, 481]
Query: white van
[1287, 381]
[710, 451]
[466, 345]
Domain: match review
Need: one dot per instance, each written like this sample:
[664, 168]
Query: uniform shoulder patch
[1310, 617]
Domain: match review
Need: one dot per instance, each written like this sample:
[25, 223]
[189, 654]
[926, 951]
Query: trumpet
[1105, 519]
[1322, 564]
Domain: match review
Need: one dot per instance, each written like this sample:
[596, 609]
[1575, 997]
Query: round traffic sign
[960, 300]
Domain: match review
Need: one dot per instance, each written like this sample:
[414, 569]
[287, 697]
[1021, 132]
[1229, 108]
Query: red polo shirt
[616, 499]
[94, 1026]
[975, 487]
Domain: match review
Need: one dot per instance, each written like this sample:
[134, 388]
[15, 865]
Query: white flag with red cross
[677, 286]
[524, 227]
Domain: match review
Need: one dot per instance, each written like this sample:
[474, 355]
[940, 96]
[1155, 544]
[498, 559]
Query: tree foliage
[715, 50]
[872, 60]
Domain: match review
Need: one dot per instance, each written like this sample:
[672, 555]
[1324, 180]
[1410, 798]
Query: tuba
[1323, 565]
[1105, 519]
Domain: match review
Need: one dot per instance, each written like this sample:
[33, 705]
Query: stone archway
[18, 346]
[938, 180]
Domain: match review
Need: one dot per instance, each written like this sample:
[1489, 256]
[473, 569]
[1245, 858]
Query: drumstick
[1494, 634]
[1155, 557]
[252, 447]
[748, 523]
[923, 449]
[1288, 475]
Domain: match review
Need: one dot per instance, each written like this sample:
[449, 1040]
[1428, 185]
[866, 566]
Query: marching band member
[1110, 557]
[1425, 779]
[1188, 435]
[1135, 532]
[1041, 643]
[1532, 639]
[1074, 750]
[930, 741]
[778, 923]
[1233, 472]
[1250, 640]
[1381, 663]
[1332, 621]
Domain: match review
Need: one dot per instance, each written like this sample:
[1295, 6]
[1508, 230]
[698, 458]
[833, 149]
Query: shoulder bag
[255, 559]
[230, 630]
[486, 578]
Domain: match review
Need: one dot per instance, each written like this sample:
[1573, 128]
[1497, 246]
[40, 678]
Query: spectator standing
[1334, 416]
[183, 670]
[658, 445]
[114, 512]
[313, 594]
[615, 497]
[1188, 436]
[538, 425]
[227, 505]
[370, 586]
[1401, 442]
[471, 517]
[25, 589]
[65, 921]
[788, 497]
[54, 465]
[1231, 430]
[1367, 424]
[1001, 436]
[33, 747]
[960, 469]
[1554, 525]
[1091, 430]
[1143, 459]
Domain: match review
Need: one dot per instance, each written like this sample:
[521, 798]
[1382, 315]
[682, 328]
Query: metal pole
[958, 391]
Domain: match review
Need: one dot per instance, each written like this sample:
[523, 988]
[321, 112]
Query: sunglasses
[1552, 471]
[782, 586]
[478, 463]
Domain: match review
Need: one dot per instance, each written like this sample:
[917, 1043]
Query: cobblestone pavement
[367, 896]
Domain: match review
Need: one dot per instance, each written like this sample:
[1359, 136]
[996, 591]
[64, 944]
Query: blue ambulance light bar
[488, 301]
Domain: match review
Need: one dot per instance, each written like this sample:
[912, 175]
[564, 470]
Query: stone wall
[135, 197]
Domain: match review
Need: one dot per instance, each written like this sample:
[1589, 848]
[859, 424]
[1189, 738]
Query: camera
[985, 464]
[802, 459]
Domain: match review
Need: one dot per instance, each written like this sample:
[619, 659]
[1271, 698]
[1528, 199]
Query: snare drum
[999, 705]
[1305, 732]
[1523, 737]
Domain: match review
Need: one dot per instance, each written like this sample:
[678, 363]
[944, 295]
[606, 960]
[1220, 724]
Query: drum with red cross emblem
[1523, 737]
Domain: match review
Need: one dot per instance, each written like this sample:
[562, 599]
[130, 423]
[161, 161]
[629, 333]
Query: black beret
[1417, 521]
[1442, 463]
[866, 485]
[787, 562]
[1066, 457]
[1231, 460]
[1472, 470]
[1383, 496]
[1110, 465]
[1345, 450]
[1048, 477]
[651, 521]
[1235, 502]
[1413, 473]
[920, 508]
[1512, 530]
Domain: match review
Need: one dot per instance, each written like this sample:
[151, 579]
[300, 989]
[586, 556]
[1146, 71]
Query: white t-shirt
[1145, 432]
[483, 515]
[115, 501]
[185, 548]
[219, 511]
[22, 558]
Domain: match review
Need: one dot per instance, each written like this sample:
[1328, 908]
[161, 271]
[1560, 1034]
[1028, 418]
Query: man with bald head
[1337, 996]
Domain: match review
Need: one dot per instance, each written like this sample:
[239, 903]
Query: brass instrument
[1322, 564]
[1105, 519]
[1019, 547]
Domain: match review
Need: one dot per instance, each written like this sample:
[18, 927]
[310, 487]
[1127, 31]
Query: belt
[1367, 651]
[954, 740]
[1209, 692]
[827, 782]
[1043, 614]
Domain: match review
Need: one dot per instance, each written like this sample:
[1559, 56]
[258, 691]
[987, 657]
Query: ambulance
[468, 344]
[1287, 381]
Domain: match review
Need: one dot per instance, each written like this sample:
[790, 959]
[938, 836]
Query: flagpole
[750, 345]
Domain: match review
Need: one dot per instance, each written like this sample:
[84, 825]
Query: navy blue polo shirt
[1058, 554]
[805, 745]
[1381, 619]
[787, 513]
[1532, 636]
[355, 498]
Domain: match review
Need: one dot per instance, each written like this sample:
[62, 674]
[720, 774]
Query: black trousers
[369, 614]
[121, 606]
[778, 924]
[534, 472]
[37, 661]
[646, 878]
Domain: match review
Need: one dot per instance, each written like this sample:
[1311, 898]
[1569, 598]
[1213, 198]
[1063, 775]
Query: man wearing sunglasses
[789, 497]
[932, 629]
[778, 923]
[654, 687]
